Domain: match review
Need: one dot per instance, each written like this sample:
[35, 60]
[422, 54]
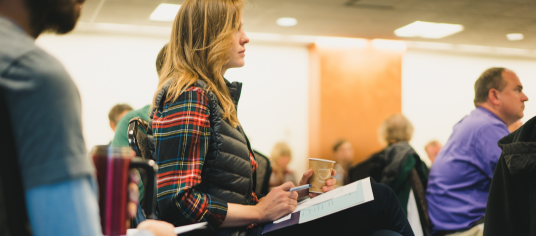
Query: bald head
[500, 91]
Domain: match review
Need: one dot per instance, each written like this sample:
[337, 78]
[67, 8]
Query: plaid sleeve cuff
[216, 211]
[196, 206]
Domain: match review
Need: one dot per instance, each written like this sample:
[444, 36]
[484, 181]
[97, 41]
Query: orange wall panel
[352, 91]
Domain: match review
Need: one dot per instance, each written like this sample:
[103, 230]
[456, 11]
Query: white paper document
[341, 198]
[177, 230]
[335, 193]
[337, 200]
[287, 217]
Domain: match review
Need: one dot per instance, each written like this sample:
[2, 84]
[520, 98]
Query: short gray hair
[395, 129]
[489, 79]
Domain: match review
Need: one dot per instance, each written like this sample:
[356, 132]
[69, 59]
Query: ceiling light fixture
[287, 21]
[514, 37]
[429, 30]
[165, 12]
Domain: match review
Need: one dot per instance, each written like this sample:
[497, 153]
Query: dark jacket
[227, 172]
[392, 166]
[511, 208]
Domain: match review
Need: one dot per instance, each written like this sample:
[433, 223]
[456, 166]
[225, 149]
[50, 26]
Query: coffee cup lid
[314, 159]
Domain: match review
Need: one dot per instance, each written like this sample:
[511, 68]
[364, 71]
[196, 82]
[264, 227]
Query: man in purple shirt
[460, 178]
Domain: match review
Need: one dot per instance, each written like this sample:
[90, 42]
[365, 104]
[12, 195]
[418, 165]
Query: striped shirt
[182, 134]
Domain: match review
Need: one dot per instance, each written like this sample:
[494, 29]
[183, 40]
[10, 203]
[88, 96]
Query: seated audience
[511, 207]
[393, 165]
[116, 113]
[206, 166]
[49, 189]
[344, 156]
[281, 156]
[432, 148]
[460, 178]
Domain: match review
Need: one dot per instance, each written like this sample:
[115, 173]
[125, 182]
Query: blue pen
[300, 188]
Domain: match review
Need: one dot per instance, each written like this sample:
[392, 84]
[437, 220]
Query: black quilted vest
[227, 172]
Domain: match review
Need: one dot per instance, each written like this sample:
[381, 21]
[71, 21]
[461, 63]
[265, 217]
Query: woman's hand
[277, 203]
[330, 184]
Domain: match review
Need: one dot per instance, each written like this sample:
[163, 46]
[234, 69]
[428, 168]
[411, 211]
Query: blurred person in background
[460, 178]
[513, 127]
[393, 165]
[432, 148]
[207, 170]
[281, 156]
[121, 136]
[343, 152]
[116, 113]
[52, 175]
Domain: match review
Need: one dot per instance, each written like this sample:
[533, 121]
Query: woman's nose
[245, 39]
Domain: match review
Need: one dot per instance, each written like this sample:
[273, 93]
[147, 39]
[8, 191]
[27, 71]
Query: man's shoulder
[14, 43]
[141, 113]
[18, 53]
[480, 120]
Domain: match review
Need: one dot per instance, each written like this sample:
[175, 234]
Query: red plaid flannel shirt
[181, 131]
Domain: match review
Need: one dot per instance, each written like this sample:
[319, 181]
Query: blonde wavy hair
[200, 45]
[396, 128]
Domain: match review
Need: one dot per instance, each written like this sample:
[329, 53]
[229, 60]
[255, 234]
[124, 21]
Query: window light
[428, 30]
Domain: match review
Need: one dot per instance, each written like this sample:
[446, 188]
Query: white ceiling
[486, 22]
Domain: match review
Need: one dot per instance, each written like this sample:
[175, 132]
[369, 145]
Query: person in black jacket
[392, 165]
[511, 208]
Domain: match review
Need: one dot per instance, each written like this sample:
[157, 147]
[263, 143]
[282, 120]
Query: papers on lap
[328, 203]
[177, 230]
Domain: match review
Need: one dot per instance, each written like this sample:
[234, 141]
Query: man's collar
[485, 110]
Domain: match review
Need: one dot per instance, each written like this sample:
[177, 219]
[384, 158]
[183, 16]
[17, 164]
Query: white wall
[274, 105]
[438, 90]
[110, 69]
[437, 87]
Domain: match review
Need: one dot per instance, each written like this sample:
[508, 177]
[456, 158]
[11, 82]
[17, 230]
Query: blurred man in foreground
[460, 178]
[44, 111]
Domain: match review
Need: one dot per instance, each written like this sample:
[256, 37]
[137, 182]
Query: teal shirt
[121, 136]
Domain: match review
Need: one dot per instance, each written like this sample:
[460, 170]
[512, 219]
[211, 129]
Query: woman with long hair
[206, 166]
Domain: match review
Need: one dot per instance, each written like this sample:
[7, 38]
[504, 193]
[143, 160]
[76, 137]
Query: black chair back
[264, 170]
[140, 138]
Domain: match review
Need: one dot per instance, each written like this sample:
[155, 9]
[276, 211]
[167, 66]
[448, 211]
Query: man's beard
[56, 16]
